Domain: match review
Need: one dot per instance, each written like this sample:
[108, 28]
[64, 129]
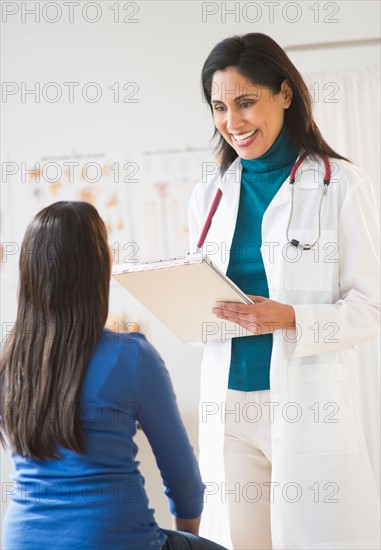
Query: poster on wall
[101, 179]
[166, 179]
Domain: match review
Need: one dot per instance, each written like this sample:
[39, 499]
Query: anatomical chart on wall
[160, 199]
[28, 186]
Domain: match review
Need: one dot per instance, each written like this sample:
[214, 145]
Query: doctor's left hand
[262, 317]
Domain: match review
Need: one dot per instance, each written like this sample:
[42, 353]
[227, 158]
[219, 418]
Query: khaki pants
[247, 455]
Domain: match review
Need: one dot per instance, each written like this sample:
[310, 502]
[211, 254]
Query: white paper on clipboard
[181, 293]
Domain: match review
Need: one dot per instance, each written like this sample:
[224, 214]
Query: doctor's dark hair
[263, 62]
[65, 269]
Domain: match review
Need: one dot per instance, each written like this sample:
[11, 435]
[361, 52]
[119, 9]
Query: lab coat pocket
[325, 423]
[311, 269]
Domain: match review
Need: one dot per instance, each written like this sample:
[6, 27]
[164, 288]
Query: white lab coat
[324, 493]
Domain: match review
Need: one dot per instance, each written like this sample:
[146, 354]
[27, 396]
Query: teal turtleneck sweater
[260, 181]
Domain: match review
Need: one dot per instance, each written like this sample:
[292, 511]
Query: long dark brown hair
[263, 62]
[63, 298]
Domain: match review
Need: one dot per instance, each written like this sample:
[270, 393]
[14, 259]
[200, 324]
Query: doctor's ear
[286, 91]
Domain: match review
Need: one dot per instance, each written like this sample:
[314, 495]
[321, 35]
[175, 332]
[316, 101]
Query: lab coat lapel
[223, 225]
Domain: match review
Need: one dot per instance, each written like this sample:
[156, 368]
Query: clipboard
[181, 293]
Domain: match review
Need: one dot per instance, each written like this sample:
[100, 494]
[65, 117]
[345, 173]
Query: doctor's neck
[281, 154]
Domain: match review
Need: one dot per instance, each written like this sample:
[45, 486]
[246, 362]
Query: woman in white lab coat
[282, 451]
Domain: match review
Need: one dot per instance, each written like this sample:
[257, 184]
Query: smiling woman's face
[248, 117]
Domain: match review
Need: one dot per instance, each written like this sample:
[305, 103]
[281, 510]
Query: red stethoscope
[293, 242]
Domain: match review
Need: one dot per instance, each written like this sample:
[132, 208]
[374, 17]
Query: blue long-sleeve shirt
[97, 499]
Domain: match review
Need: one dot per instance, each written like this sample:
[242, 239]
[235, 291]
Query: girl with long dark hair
[72, 393]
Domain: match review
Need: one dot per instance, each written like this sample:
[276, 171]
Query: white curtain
[347, 111]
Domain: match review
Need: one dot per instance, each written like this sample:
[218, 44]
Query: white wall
[162, 53]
